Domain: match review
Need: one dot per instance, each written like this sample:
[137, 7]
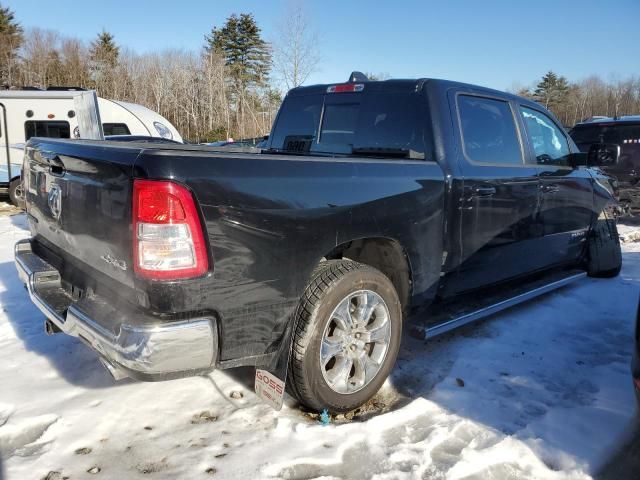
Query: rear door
[566, 193]
[500, 193]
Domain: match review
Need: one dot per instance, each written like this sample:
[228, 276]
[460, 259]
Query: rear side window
[374, 124]
[550, 146]
[115, 129]
[46, 128]
[297, 124]
[489, 131]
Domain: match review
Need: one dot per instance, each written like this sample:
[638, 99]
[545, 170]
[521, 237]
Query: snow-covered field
[542, 391]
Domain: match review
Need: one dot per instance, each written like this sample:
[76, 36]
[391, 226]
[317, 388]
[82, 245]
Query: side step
[457, 314]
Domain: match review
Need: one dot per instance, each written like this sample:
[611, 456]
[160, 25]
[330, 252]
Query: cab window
[549, 144]
[46, 128]
[489, 132]
[370, 123]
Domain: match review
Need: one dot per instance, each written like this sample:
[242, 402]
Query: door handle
[553, 188]
[483, 191]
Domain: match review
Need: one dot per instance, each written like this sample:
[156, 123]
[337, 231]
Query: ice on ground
[542, 391]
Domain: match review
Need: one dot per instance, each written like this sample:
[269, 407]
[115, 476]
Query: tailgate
[78, 198]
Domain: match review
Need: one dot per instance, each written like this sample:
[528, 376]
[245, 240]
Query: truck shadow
[70, 359]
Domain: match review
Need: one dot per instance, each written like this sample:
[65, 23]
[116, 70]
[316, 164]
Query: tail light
[168, 242]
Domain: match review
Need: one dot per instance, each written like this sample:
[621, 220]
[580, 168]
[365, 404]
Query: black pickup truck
[371, 200]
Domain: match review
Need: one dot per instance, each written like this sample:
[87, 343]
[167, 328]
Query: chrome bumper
[142, 350]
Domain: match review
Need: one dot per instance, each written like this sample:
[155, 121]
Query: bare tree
[41, 65]
[296, 46]
[75, 63]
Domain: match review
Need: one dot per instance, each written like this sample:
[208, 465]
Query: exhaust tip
[115, 372]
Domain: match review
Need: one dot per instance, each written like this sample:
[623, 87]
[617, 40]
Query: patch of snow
[14, 438]
[541, 391]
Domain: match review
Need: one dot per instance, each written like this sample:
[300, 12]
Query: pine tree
[104, 50]
[246, 54]
[10, 40]
[103, 55]
[552, 90]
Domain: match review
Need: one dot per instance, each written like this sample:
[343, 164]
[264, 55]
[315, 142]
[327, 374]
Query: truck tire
[349, 324]
[604, 256]
[16, 193]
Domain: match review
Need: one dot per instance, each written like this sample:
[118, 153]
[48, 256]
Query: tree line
[231, 88]
[573, 102]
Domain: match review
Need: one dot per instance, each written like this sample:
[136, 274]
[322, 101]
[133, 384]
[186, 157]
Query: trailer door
[5, 165]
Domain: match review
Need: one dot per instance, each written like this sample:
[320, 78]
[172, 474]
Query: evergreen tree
[104, 50]
[10, 40]
[246, 54]
[552, 90]
[103, 55]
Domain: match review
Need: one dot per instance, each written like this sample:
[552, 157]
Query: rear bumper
[143, 348]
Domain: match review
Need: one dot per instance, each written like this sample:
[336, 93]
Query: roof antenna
[357, 77]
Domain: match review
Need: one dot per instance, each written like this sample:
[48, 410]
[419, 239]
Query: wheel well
[386, 255]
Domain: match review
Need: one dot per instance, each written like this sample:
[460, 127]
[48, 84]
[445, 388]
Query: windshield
[608, 133]
[376, 124]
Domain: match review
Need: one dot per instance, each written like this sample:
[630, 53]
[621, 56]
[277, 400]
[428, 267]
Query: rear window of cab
[369, 124]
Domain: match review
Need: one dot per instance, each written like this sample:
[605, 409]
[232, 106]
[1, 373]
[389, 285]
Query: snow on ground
[542, 391]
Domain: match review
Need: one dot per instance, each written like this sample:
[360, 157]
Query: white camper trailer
[51, 113]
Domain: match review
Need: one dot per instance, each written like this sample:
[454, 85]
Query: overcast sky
[492, 43]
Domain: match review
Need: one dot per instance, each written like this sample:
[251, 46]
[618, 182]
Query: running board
[449, 323]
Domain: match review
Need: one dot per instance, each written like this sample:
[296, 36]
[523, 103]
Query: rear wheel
[347, 336]
[16, 192]
[604, 257]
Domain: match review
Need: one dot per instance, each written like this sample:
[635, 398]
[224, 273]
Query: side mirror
[603, 155]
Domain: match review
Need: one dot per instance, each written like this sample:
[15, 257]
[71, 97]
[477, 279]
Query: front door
[566, 193]
[499, 196]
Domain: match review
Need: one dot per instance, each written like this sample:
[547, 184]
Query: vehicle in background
[139, 139]
[50, 113]
[219, 143]
[624, 131]
[372, 200]
[257, 142]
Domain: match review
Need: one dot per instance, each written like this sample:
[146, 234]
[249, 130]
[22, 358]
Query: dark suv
[625, 131]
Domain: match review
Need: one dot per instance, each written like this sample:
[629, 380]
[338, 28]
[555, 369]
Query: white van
[50, 113]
